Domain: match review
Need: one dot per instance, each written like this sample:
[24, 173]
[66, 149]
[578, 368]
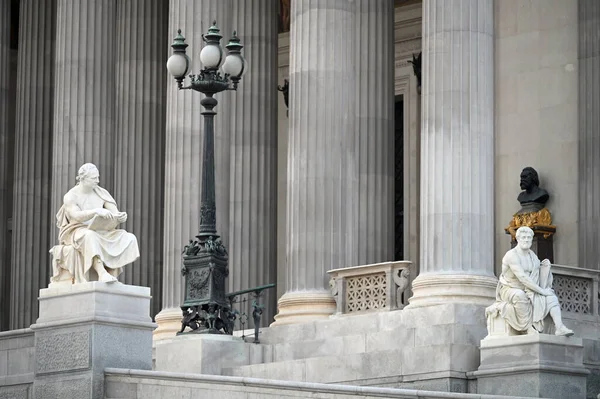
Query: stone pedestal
[205, 354]
[84, 328]
[537, 365]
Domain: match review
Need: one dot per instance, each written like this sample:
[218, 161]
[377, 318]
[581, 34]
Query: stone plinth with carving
[365, 288]
[84, 328]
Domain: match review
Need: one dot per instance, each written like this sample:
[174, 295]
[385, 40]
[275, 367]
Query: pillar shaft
[4, 158]
[183, 154]
[142, 48]
[457, 153]
[253, 198]
[375, 129]
[322, 209]
[589, 133]
[33, 219]
[84, 105]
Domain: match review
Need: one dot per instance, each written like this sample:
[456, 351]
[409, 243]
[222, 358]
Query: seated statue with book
[89, 239]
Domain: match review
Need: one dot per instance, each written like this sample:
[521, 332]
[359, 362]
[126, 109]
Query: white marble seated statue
[524, 296]
[88, 234]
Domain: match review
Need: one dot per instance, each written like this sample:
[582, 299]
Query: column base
[169, 324]
[304, 307]
[433, 289]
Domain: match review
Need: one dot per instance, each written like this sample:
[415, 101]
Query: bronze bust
[533, 198]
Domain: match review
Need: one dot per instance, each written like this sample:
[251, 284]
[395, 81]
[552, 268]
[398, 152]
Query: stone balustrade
[368, 288]
[577, 291]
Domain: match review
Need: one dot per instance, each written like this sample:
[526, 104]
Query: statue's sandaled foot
[532, 330]
[107, 278]
[564, 331]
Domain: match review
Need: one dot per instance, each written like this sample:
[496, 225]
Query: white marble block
[537, 365]
[205, 353]
[84, 328]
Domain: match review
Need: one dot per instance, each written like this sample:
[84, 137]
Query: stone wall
[17, 356]
[130, 384]
[536, 114]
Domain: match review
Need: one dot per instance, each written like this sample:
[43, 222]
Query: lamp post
[205, 260]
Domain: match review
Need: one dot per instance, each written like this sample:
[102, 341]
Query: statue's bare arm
[76, 213]
[121, 217]
[514, 264]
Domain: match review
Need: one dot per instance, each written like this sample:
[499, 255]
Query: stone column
[375, 129]
[33, 219]
[142, 48]
[4, 151]
[253, 195]
[84, 100]
[589, 134]
[183, 149]
[457, 154]
[322, 226]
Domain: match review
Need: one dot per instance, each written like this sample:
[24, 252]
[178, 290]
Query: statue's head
[88, 175]
[529, 178]
[524, 237]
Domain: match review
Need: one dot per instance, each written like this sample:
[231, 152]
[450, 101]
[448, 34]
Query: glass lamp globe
[211, 56]
[234, 65]
[178, 64]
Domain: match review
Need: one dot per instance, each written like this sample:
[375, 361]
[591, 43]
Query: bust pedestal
[541, 223]
[536, 365]
[542, 243]
[84, 328]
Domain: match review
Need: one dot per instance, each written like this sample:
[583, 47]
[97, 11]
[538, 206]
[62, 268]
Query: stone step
[367, 367]
[369, 323]
[342, 345]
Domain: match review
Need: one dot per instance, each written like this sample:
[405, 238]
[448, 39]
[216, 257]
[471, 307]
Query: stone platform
[430, 348]
[536, 365]
[85, 328]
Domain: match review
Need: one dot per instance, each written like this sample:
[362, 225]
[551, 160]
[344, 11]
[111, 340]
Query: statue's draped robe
[518, 305]
[79, 245]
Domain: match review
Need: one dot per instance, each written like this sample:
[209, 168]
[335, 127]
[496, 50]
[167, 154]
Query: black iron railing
[248, 309]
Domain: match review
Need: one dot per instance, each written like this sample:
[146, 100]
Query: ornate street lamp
[205, 307]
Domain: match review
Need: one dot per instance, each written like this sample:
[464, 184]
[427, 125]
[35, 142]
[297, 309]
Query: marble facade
[520, 89]
[525, 91]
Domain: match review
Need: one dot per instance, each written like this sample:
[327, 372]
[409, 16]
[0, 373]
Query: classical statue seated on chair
[524, 296]
[88, 235]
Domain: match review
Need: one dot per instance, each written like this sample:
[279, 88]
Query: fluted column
[33, 219]
[322, 225]
[142, 46]
[84, 100]
[375, 129]
[183, 153]
[253, 195]
[589, 133]
[457, 154]
[4, 152]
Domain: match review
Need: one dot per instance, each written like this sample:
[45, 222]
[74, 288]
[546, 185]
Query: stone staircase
[409, 348]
